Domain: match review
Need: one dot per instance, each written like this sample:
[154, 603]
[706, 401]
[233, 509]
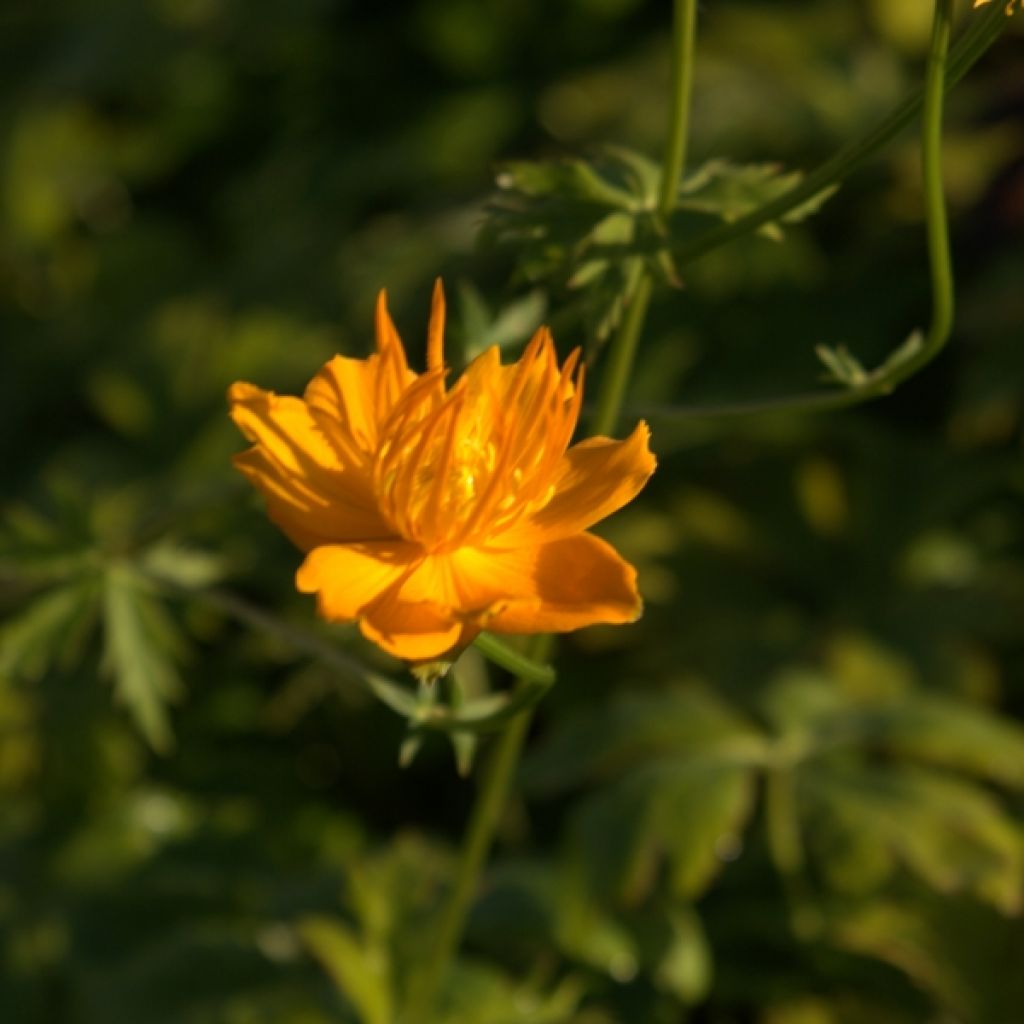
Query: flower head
[427, 512]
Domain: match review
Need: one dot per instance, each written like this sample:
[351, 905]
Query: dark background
[791, 794]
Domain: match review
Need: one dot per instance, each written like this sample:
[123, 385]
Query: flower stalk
[622, 354]
[920, 349]
[505, 756]
[476, 844]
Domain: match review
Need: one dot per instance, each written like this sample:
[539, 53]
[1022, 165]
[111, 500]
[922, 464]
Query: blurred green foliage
[792, 794]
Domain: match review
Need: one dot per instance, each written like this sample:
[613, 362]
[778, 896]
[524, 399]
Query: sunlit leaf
[729, 191]
[958, 951]
[50, 630]
[953, 835]
[553, 213]
[186, 567]
[141, 644]
[592, 934]
[360, 974]
[686, 967]
[603, 742]
[511, 325]
[685, 814]
[482, 995]
[952, 733]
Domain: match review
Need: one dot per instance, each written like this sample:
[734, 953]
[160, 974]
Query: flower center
[457, 468]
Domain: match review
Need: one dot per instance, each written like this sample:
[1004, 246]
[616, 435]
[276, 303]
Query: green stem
[484, 715]
[684, 37]
[982, 33]
[505, 757]
[622, 354]
[390, 692]
[918, 350]
[936, 225]
[514, 661]
[477, 843]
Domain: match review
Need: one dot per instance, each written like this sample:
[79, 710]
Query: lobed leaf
[953, 835]
[604, 742]
[360, 974]
[50, 630]
[140, 648]
[954, 734]
[729, 191]
[683, 814]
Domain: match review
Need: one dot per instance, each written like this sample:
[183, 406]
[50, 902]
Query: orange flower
[427, 513]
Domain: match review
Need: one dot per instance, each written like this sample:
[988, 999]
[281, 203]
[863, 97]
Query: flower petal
[342, 392]
[552, 587]
[347, 578]
[393, 373]
[413, 632]
[596, 477]
[391, 589]
[311, 493]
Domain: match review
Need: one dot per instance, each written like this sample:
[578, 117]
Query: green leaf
[513, 660]
[570, 179]
[898, 936]
[589, 933]
[686, 814]
[551, 214]
[50, 630]
[953, 835]
[842, 366]
[961, 953]
[730, 191]
[361, 975]
[511, 325]
[685, 968]
[141, 645]
[603, 742]
[479, 994]
[183, 566]
[35, 549]
[911, 723]
[952, 733]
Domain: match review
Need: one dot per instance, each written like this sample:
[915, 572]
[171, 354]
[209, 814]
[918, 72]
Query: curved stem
[936, 224]
[917, 351]
[979, 36]
[514, 661]
[622, 354]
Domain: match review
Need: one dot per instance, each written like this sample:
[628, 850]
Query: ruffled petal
[419, 631]
[553, 587]
[393, 375]
[596, 478]
[395, 593]
[422, 616]
[342, 393]
[348, 578]
[312, 494]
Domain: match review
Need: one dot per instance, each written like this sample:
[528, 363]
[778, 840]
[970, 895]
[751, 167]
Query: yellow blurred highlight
[821, 493]
[121, 401]
[708, 518]
[905, 24]
[801, 1011]
[866, 669]
[19, 751]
